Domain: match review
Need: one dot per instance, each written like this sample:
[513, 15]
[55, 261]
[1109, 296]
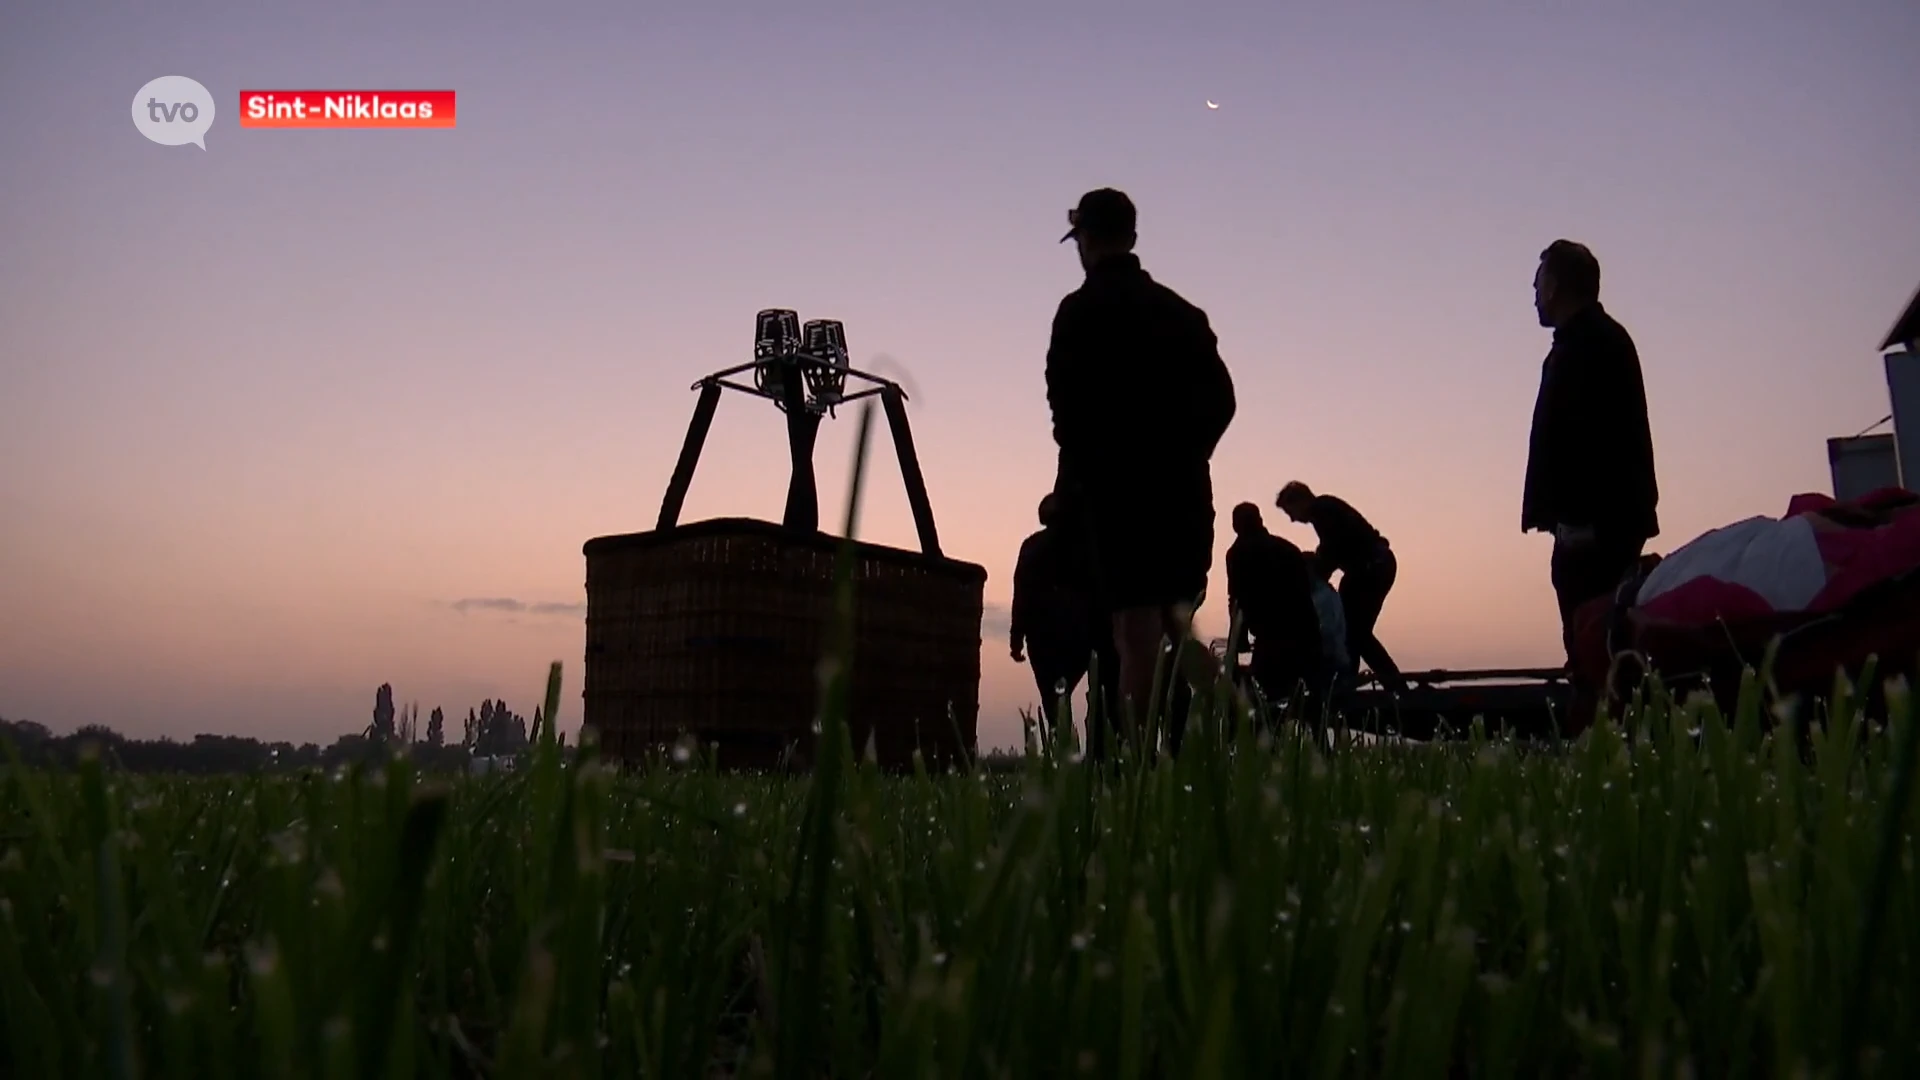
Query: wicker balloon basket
[715, 630]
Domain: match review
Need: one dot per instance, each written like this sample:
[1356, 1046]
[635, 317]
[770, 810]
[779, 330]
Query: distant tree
[483, 736]
[472, 738]
[207, 754]
[382, 730]
[501, 731]
[25, 734]
[436, 728]
[351, 749]
[492, 739]
[107, 739]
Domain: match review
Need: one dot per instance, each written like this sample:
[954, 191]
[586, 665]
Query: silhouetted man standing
[1350, 544]
[1140, 398]
[1056, 625]
[1590, 477]
[1269, 588]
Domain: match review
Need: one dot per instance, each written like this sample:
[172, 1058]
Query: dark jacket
[1268, 584]
[1590, 458]
[1053, 612]
[1348, 541]
[1139, 394]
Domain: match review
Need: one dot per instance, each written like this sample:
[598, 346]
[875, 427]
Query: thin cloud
[554, 607]
[997, 619]
[507, 605]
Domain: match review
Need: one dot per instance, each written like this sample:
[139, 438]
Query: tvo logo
[174, 110]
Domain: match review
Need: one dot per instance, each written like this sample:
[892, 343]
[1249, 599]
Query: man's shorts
[1150, 545]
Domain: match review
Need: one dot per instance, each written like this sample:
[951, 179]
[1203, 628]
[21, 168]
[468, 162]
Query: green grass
[1619, 906]
[1684, 894]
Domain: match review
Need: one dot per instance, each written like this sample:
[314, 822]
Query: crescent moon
[1212, 104]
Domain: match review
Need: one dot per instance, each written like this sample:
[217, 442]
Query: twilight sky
[270, 411]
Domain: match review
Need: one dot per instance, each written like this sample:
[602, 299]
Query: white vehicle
[481, 766]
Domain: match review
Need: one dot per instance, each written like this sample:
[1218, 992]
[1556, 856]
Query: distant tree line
[491, 730]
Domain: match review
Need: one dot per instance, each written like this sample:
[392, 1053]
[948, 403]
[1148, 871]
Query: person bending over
[1351, 545]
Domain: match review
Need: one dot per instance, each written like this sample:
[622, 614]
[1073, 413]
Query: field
[1679, 893]
[1686, 895]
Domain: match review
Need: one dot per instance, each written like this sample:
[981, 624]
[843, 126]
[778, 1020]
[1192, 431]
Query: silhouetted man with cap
[1350, 544]
[1140, 398]
[1590, 476]
[1057, 625]
[1268, 586]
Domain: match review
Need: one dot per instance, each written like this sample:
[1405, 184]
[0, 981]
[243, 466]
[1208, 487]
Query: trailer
[1442, 703]
[1439, 704]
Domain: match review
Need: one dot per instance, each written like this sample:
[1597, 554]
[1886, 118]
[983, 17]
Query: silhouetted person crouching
[1333, 623]
[1270, 590]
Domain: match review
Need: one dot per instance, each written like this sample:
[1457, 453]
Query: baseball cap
[1105, 212]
